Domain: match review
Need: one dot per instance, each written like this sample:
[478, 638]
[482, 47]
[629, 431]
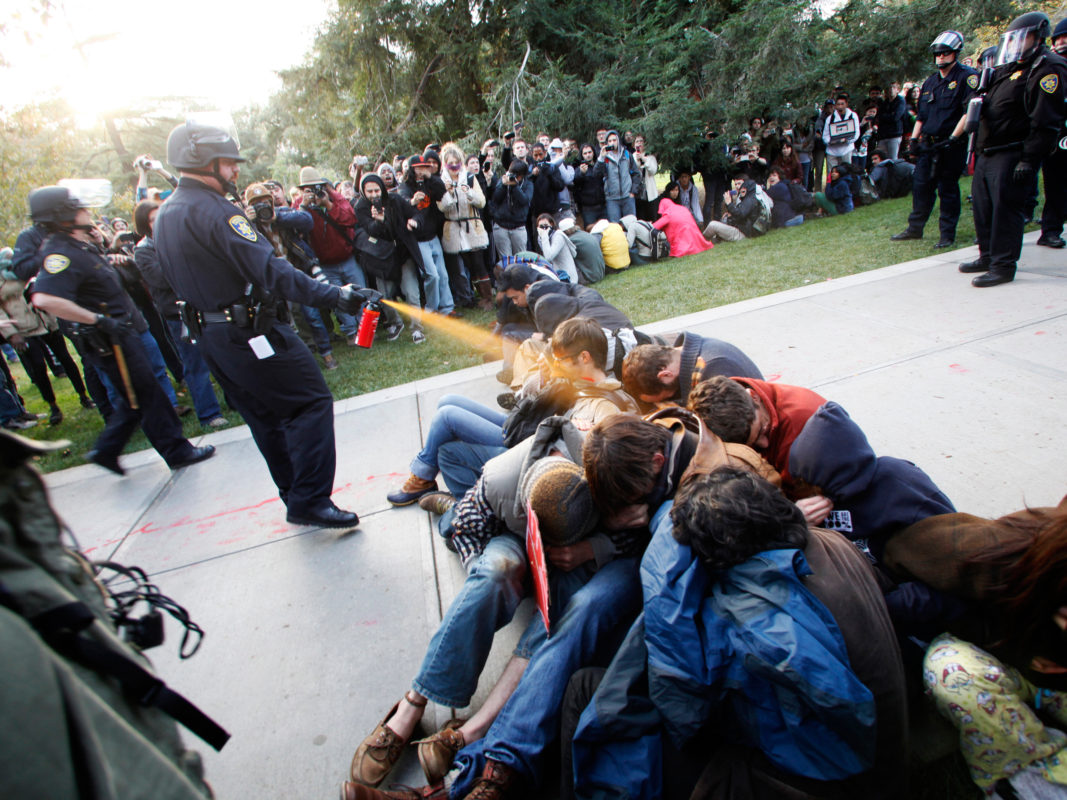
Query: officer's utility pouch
[264, 315]
[94, 339]
[191, 325]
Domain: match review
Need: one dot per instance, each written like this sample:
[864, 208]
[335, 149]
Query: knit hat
[556, 489]
[567, 224]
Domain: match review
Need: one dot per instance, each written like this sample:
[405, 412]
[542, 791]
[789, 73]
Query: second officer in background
[234, 286]
[1021, 121]
[940, 160]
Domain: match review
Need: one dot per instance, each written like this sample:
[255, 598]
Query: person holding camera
[589, 189]
[145, 164]
[285, 229]
[647, 189]
[510, 206]
[331, 237]
[547, 183]
[233, 287]
[463, 236]
[423, 189]
[621, 178]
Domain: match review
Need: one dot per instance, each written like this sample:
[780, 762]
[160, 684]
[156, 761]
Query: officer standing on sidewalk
[78, 284]
[234, 288]
[1022, 120]
[1055, 168]
[940, 160]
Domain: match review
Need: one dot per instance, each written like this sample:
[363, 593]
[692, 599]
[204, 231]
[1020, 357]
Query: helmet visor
[89, 192]
[1015, 44]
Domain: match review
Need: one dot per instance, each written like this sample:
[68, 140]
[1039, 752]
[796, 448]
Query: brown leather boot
[495, 782]
[414, 488]
[437, 753]
[376, 756]
[485, 294]
[357, 791]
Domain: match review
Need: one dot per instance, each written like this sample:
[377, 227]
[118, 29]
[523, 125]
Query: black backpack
[555, 398]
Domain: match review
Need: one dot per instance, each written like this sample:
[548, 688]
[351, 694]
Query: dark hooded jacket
[385, 245]
[704, 357]
[743, 212]
[874, 497]
[553, 302]
[428, 215]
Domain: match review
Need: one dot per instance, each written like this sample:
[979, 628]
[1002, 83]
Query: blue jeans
[457, 419]
[461, 464]
[342, 274]
[617, 209]
[10, 407]
[321, 337]
[794, 221]
[486, 603]
[197, 376]
[598, 608]
[438, 294]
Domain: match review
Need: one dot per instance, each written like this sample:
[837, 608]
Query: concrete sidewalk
[312, 635]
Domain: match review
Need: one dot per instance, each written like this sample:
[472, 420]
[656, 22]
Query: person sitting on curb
[580, 349]
[655, 373]
[765, 658]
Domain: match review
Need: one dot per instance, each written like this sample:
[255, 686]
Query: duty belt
[238, 314]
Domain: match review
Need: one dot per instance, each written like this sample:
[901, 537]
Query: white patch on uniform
[56, 263]
[242, 228]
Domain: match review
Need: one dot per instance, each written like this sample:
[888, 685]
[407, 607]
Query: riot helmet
[1023, 38]
[196, 148]
[947, 42]
[193, 146]
[988, 58]
[53, 205]
[1057, 32]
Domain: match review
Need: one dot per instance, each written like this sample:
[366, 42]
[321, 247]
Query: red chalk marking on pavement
[1039, 333]
[772, 378]
[958, 368]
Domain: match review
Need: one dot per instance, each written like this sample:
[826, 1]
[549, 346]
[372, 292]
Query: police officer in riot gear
[1055, 168]
[939, 160]
[234, 287]
[1021, 122]
[78, 284]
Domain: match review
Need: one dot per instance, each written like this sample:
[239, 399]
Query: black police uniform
[26, 263]
[1055, 210]
[211, 256]
[942, 101]
[1022, 119]
[76, 271]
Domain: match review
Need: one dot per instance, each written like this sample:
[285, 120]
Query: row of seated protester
[745, 600]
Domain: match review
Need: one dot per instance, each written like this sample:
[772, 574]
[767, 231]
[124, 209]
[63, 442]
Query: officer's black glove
[913, 148]
[352, 298]
[107, 324]
[1024, 172]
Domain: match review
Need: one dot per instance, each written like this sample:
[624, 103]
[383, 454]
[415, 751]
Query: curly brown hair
[617, 456]
[725, 406]
[641, 368]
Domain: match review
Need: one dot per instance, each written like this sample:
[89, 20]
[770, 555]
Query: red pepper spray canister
[368, 324]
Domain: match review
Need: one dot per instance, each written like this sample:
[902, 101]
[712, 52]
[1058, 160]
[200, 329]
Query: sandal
[375, 758]
[437, 752]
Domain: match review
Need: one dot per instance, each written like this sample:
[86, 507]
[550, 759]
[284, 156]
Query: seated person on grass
[655, 373]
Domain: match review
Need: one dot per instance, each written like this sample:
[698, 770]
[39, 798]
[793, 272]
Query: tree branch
[429, 71]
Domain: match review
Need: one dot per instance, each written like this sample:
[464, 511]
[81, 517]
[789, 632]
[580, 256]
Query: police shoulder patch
[242, 228]
[56, 263]
[1049, 83]
[972, 81]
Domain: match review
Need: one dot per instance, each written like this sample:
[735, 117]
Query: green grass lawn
[783, 259]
